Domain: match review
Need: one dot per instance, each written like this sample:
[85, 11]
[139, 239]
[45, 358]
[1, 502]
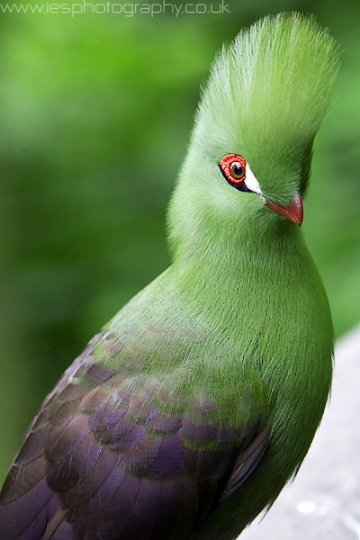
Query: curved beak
[293, 211]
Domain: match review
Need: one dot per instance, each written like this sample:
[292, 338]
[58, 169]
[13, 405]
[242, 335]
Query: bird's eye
[233, 168]
[237, 171]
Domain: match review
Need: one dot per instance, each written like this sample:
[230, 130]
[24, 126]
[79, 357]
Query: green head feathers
[267, 95]
[265, 99]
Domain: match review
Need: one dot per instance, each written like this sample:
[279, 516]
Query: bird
[186, 415]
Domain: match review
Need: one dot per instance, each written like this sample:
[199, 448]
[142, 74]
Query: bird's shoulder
[113, 434]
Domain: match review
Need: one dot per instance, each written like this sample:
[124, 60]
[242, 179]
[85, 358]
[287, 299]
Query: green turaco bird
[186, 415]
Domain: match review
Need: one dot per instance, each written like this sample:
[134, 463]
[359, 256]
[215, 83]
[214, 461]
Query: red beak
[293, 211]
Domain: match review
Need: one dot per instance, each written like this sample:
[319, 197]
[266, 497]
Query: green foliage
[95, 115]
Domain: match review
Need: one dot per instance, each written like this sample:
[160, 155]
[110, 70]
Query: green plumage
[266, 97]
[235, 339]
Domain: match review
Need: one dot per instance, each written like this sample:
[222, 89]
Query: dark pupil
[237, 169]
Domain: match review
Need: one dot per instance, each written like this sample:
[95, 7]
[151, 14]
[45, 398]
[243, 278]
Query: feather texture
[270, 90]
[186, 415]
[99, 461]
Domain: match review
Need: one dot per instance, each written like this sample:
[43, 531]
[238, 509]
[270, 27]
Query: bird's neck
[231, 275]
[235, 256]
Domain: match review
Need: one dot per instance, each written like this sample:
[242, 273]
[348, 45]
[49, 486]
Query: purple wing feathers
[99, 462]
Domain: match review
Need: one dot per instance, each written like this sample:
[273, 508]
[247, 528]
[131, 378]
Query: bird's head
[251, 147]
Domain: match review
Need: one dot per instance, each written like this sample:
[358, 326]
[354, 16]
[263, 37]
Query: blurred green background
[95, 113]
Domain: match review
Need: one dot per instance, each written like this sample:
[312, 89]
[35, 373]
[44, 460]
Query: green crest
[266, 97]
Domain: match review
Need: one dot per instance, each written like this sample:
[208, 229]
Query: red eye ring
[233, 168]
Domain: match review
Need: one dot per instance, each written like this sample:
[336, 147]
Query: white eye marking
[251, 181]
